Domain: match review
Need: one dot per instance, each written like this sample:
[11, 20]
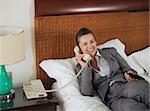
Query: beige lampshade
[11, 45]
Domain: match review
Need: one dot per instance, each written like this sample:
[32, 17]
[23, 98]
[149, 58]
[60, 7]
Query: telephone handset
[86, 57]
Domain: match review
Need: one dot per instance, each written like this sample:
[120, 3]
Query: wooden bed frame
[55, 30]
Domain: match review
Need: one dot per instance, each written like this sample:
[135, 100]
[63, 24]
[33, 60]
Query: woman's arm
[129, 74]
[85, 81]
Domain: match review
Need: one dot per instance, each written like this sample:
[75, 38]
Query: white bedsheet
[84, 103]
[79, 102]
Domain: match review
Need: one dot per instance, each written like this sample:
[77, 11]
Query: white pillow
[134, 65]
[63, 71]
[142, 59]
[120, 47]
[113, 43]
[117, 44]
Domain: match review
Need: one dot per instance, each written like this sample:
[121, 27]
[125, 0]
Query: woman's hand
[128, 77]
[79, 59]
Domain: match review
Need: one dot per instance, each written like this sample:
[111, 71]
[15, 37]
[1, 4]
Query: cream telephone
[34, 89]
[86, 57]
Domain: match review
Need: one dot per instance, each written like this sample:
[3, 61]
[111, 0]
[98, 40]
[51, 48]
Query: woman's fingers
[128, 78]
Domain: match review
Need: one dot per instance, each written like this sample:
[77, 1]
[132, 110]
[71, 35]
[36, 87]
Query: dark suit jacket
[118, 66]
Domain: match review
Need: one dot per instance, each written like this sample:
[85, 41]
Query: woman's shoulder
[107, 49]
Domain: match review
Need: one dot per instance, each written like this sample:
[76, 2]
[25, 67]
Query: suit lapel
[108, 59]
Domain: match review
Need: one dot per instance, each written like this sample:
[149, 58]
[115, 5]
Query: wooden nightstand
[20, 103]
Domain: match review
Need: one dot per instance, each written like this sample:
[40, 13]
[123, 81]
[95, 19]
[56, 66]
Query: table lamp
[11, 51]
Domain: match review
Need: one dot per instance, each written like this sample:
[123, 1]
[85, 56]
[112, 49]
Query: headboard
[56, 24]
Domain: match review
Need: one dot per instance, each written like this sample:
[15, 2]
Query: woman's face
[87, 44]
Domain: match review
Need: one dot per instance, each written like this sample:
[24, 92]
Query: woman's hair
[81, 32]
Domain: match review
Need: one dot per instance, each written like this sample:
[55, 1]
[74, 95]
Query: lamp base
[8, 96]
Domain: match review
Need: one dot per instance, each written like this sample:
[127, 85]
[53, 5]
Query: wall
[20, 13]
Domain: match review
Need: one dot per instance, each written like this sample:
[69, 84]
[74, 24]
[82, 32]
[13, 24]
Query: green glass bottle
[5, 81]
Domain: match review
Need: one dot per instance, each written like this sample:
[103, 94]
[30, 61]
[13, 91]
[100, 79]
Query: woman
[110, 76]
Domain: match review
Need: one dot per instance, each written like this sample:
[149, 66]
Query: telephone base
[34, 89]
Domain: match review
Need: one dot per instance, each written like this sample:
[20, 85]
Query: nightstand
[21, 103]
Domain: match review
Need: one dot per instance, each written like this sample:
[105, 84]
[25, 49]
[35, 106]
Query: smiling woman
[110, 76]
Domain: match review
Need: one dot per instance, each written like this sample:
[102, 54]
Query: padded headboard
[55, 28]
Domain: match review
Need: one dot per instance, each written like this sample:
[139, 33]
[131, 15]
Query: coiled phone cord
[53, 90]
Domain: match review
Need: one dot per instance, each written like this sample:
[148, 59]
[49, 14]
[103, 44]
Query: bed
[124, 26]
